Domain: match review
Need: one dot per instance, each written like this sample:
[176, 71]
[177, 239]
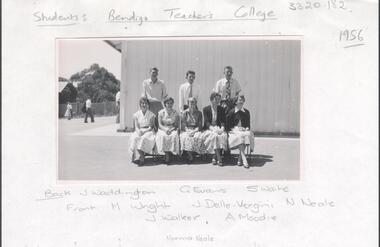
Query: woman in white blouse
[142, 141]
[167, 139]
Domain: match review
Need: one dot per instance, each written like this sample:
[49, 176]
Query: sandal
[140, 163]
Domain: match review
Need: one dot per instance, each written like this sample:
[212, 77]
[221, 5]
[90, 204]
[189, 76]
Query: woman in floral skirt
[167, 139]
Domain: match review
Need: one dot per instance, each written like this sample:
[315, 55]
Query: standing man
[154, 90]
[89, 111]
[188, 90]
[117, 99]
[229, 88]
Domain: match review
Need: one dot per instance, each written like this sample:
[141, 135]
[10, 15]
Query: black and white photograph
[190, 123]
[196, 108]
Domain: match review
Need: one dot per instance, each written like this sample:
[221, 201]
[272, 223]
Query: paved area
[95, 151]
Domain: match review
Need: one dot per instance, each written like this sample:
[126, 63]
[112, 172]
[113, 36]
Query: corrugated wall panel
[268, 71]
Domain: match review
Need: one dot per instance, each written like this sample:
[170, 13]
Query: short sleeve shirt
[155, 92]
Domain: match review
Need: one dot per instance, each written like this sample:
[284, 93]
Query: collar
[167, 111]
[236, 109]
[231, 80]
[142, 113]
[151, 82]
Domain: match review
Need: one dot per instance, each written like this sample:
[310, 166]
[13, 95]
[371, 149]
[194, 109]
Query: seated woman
[214, 136]
[238, 125]
[167, 139]
[191, 127]
[143, 139]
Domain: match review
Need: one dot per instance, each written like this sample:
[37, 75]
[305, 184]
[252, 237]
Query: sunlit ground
[96, 151]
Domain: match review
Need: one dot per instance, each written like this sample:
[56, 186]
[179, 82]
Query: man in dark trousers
[89, 111]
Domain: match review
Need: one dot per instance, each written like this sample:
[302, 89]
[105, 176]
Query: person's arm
[164, 93]
[248, 119]
[136, 125]
[238, 88]
[152, 123]
[160, 124]
[216, 88]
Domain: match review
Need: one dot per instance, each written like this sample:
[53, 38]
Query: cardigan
[233, 118]
[207, 115]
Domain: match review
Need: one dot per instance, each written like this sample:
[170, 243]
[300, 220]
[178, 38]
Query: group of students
[223, 125]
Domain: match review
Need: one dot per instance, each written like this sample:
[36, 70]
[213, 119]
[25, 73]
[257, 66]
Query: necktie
[191, 91]
[228, 89]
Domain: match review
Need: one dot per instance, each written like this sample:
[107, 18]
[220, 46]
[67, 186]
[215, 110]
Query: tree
[97, 83]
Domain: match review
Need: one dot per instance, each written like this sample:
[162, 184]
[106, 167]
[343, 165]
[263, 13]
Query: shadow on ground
[256, 160]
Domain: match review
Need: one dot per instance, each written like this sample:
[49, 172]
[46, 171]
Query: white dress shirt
[117, 97]
[88, 103]
[221, 86]
[184, 94]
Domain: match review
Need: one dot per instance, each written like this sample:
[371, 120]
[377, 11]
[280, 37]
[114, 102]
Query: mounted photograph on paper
[179, 108]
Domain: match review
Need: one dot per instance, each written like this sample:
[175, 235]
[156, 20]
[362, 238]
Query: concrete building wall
[268, 71]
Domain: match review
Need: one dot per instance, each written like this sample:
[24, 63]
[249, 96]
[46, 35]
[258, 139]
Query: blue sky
[75, 55]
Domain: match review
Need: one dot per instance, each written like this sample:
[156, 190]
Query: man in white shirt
[117, 99]
[229, 88]
[155, 90]
[89, 111]
[187, 90]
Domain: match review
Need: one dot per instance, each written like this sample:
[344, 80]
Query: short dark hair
[143, 99]
[154, 68]
[227, 67]
[213, 95]
[190, 72]
[167, 99]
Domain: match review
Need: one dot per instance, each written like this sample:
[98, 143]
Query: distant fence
[100, 109]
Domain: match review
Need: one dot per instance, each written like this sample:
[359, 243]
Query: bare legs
[190, 156]
[242, 157]
[167, 158]
[218, 157]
